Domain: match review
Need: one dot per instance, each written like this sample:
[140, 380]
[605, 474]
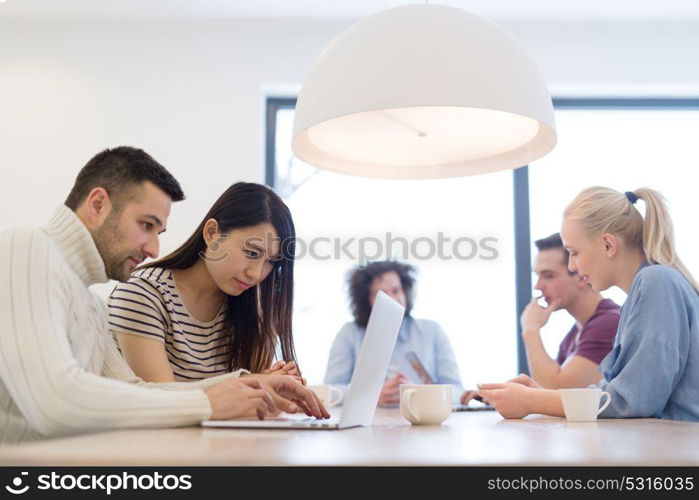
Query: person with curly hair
[423, 337]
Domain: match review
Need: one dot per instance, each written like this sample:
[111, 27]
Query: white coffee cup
[425, 404]
[329, 395]
[582, 405]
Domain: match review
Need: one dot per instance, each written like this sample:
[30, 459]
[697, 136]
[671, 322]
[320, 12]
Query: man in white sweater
[60, 371]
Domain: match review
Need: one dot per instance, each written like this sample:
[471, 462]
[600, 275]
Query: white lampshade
[423, 91]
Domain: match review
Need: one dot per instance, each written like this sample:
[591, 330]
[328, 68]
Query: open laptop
[367, 379]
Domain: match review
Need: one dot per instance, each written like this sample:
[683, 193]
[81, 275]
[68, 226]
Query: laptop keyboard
[305, 421]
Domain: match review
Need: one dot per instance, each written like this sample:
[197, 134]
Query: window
[624, 144]
[457, 232]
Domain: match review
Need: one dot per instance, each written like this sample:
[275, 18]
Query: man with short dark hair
[126, 175]
[588, 341]
[119, 171]
[60, 370]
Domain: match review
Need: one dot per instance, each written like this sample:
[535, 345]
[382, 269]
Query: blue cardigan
[653, 369]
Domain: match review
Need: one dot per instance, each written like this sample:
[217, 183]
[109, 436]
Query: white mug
[425, 404]
[582, 405]
[328, 395]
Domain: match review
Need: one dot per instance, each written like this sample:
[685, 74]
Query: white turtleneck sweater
[60, 371]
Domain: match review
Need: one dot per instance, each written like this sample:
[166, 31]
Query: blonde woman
[653, 369]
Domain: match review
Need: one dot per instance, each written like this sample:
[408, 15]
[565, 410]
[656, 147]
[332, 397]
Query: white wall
[191, 93]
[615, 57]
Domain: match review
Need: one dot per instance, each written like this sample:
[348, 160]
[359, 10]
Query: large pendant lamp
[423, 91]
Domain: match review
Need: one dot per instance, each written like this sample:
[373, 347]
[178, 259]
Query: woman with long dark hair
[222, 301]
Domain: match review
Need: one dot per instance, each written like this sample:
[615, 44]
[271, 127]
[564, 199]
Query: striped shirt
[149, 305]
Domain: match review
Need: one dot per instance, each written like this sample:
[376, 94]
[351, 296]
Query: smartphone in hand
[419, 368]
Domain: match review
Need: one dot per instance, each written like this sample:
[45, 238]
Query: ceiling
[219, 9]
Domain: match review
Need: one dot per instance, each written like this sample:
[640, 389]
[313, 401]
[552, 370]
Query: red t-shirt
[597, 336]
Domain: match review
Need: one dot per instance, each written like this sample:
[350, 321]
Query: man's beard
[108, 239]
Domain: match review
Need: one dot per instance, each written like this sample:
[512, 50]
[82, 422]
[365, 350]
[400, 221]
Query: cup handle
[405, 401]
[335, 391]
[606, 403]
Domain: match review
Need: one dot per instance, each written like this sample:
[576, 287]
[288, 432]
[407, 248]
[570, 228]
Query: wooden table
[466, 438]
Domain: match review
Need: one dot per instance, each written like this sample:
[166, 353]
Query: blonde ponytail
[603, 210]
